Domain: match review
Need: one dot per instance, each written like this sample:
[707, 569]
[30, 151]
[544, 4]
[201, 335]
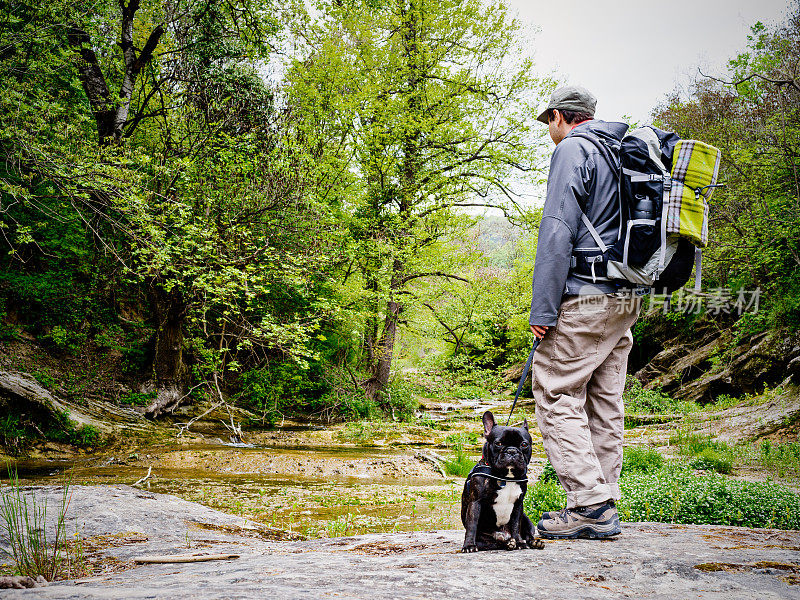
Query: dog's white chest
[504, 504]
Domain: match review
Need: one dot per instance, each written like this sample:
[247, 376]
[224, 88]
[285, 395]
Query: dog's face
[507, 449]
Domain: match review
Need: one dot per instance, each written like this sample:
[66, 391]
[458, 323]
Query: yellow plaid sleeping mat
[694, 168]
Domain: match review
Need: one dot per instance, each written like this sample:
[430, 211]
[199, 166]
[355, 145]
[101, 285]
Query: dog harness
[485, 470]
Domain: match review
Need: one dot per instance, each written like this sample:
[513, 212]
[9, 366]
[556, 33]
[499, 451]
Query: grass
[780, 460]
[459, 464]
[35, 548]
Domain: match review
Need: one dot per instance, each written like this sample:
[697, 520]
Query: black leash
[524, 377]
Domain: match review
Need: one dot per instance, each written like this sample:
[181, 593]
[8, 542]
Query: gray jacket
[578, 172]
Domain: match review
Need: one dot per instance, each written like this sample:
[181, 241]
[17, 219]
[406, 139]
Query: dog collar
[486, 471]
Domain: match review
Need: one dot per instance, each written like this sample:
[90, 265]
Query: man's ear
[488, 422]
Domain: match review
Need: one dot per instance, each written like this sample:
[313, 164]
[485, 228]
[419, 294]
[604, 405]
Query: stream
[299, 485]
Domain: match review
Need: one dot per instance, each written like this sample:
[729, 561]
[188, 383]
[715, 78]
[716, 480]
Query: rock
[20, 582]
[701, 371]
[649, 560]
[748, 422]
[21, 387]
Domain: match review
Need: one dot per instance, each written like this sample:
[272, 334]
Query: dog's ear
[488, 422]
[525, 424]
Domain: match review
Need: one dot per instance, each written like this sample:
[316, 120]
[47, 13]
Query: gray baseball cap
[570, 97]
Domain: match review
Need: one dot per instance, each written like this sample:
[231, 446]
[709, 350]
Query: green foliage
[401, 402]
[462, 438]
[548, 473]
[137, 398]
[781, 458]
[711, 459]
[755, 234]
[675, 494]
[543, 496]
[61, 429]
[64, 340]
[639, 400]
[459, 464]
[641, 460]
[12, 433]
[469, 392]
[706, 452]
[280, 387]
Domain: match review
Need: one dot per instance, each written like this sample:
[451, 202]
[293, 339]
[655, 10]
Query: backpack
[664, 186]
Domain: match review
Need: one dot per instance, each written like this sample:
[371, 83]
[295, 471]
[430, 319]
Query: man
[583, 321]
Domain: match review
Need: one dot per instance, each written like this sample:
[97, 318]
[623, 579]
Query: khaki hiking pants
[578, 377]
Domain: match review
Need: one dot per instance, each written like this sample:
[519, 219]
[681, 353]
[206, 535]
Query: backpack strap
[605, 152]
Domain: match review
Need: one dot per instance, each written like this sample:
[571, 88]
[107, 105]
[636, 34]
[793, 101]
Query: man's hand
[539, 330]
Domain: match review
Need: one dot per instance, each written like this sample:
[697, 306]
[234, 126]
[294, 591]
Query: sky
[631, 53]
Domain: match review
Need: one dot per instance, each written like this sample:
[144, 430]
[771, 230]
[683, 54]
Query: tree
[151, 126]
[432, 101]
[753, 114]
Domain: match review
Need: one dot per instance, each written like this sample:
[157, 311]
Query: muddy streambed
[309, 491]
[310, 480]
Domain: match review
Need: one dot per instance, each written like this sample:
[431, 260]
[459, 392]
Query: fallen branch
[182, 558]
[435, 460]
[146, 477]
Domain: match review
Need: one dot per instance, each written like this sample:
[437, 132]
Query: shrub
[548, 473]
[711, 459]
[61, 429]
[639, 400]
[459, 464]
[137, 398]
[401, 401]
[543, 496]
[468, 392]
[641, 460]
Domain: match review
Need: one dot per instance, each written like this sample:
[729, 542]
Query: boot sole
[584, 532]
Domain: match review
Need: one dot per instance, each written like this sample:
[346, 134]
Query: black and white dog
[491, 504]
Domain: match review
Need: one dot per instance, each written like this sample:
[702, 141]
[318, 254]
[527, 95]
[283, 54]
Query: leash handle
[523, 378]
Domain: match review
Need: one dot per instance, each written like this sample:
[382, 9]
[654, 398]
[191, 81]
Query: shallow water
[310, 490]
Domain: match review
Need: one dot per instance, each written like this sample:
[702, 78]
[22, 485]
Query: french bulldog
[491, 503]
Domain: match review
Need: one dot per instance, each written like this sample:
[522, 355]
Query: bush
[639, 400]
[61, 429]
[281, 387]
[137, 398]
[641, 460]
[713, 460]
[548, 473]
[459, 464]
[469, 392]
[543, 496]
[401, 401]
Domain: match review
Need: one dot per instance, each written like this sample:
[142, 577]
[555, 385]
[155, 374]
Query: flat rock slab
[649, 560]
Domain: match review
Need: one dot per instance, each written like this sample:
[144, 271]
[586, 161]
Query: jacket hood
[606, 129]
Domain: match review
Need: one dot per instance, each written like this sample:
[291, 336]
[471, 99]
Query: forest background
[279, 206]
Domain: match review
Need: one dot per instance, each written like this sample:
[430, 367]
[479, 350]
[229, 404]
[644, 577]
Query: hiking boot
[597, 521]
[552, 514]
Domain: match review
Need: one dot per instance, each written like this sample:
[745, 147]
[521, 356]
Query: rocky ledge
[649, 560]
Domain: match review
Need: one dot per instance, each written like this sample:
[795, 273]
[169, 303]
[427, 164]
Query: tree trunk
[168, 368]
[381, 366]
